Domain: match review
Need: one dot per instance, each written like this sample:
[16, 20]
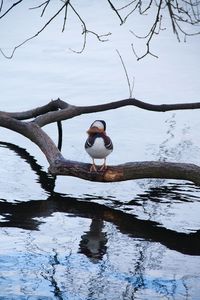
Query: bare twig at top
[116, 11]
[45, 4]
[156, 25]
[180, 12]
[65, 18]
[1, 5]
[35, 35]
[85, 31]
[127, 5]
[10, 8]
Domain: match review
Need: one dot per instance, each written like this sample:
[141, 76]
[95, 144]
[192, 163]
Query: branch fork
[58, 110]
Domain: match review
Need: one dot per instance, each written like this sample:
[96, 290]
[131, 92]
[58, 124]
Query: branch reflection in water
[94, 242]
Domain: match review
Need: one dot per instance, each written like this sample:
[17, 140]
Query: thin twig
[142, 12]
[45, 3]
[45, 7]
[130, 13]
[116, 11]
[180, 12]
[134, 52]
[65, 19]
[151, 33]
[172, 19]
[85, 31]
[127, 5]
[35, 35]
[130, 88]
[10, 8]
[1, 5]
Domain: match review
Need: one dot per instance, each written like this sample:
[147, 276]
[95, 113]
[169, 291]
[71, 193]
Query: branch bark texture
[29, 124]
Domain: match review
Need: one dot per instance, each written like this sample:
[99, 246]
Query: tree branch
[33, 113]
[73, 111]
[58, 110]
[60, 131]
[9, 9]
[1, 5]
[85, 31]
[35, 35]
[129, 171]
[180, 12]
[130, 86]
[116, 11]
[45, 4]
[151, 33]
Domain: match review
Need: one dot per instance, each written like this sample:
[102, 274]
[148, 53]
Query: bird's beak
[94, 130]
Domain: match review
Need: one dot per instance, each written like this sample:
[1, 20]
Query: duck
[98, 144]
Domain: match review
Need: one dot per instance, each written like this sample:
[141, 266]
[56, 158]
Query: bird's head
[98, 126]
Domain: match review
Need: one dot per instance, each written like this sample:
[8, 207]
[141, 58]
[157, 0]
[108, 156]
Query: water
[72, 239]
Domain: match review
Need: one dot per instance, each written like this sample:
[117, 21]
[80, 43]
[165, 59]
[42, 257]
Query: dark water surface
[64, 247]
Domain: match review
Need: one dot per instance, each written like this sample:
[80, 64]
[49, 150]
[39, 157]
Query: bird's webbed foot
[103, 167]
[93, 168]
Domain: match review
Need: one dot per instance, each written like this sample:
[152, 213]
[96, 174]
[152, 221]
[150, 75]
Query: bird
[98, 145]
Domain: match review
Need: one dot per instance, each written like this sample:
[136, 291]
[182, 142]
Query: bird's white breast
[98, 149]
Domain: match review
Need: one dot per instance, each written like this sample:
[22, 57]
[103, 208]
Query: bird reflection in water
[93, 242]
